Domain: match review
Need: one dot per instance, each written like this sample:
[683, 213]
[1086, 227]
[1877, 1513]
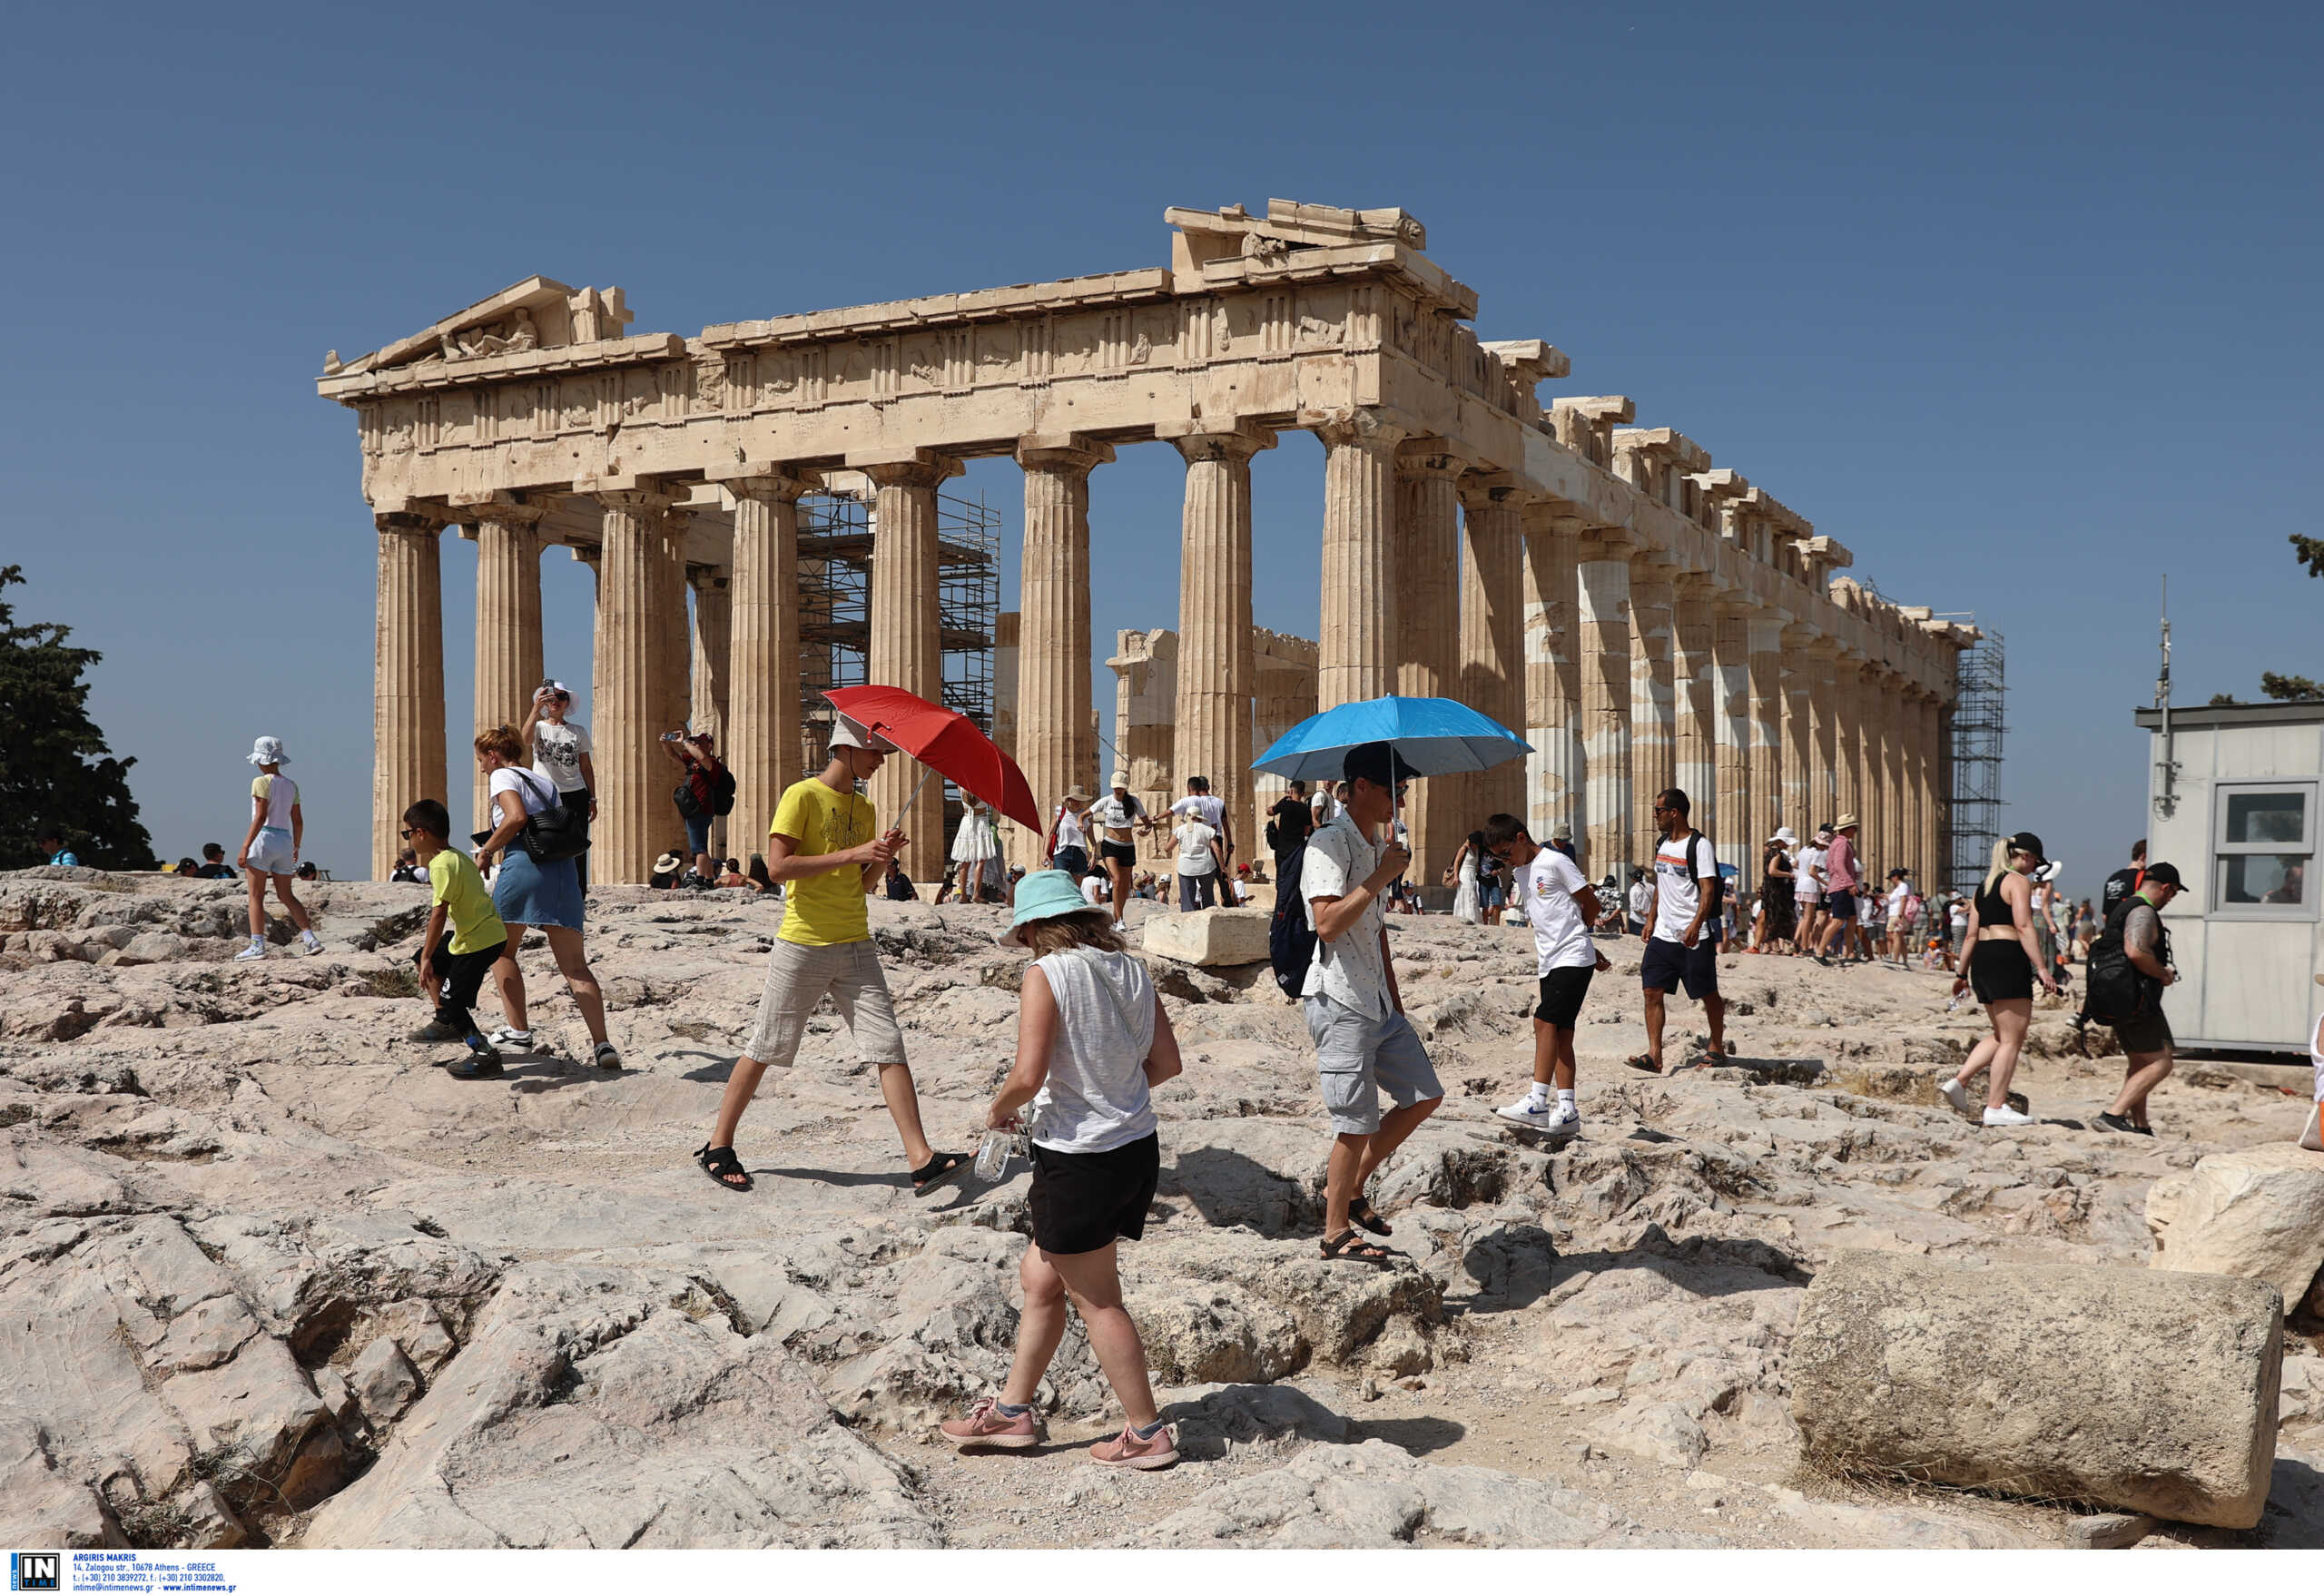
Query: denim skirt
[533, 892]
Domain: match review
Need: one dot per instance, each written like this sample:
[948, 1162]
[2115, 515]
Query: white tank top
[1096, 1097]
[282, 793]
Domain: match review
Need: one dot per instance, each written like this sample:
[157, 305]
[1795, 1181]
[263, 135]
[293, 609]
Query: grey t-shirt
[1096, 1097]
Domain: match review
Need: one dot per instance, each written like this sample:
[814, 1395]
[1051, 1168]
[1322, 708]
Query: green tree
[55, 771]
[2309, 552]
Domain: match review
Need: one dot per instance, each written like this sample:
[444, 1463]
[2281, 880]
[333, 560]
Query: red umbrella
[947, 741]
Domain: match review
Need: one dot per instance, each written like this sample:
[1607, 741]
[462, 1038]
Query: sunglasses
[405, 833]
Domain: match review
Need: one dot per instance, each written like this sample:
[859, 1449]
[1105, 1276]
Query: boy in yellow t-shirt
[827, 851]
[452, 963]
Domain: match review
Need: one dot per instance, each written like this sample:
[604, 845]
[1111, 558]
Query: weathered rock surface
[2258, 1212]
[2151, 1392]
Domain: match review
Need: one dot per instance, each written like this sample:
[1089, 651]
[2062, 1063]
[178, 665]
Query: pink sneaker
[987, 1425]
[1126, 1450]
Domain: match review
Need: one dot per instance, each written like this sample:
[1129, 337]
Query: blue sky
[2016, 301]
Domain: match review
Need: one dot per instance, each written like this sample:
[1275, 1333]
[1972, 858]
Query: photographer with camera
[706, 792]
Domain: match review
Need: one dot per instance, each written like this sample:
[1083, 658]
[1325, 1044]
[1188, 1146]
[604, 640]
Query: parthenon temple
[1645, 619]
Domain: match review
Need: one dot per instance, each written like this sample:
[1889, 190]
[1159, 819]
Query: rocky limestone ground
[267, 1277]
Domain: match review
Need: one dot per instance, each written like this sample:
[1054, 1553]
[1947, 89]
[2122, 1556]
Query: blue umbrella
[1435, 736]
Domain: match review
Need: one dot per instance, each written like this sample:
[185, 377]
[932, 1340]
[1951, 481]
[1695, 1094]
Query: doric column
[1054, 743]
[1654, 758]
[1731, 700]
[1493, 601]
[507, 619]
[1823, 763]
[1847, 717]
[1933, 863]
[673, 698]
[1602, 591]
[1356, 651]
[408, 679]
[763, 650]
[1895, 806]
[712, 645]
[634, 811]
[1866, 754]
[1912, 851]
[907, 642]
[1799, 688]
[1767, 729]
[1428, 626]
[1695, 735]
[1215, 673]
[1945, 863]
[1553, 771]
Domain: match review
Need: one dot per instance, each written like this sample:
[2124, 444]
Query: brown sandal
[1362, 1213]
[1347, 1246]
[1642, 1061]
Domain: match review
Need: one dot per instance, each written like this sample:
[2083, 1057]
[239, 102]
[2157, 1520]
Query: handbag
[558, 832]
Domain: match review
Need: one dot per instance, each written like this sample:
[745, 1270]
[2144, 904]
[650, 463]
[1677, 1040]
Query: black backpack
[721, 791]
[2113, 989]
[1290, 941]
[1694, 872]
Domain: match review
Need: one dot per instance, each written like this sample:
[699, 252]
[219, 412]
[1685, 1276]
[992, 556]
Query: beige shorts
[797, 980]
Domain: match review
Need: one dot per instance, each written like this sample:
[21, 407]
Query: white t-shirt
[557, 748]
[1324, 807]
[1560, 938]
[1070, 833]
[1810, 861]
[1202, 806]
[1193, 848]
[280, 795]
[534, 793]
[1096, 1097]
[1349, 971]
[1896, 896]
[1117, 814]
[1093, 890]
[1680, 891]
[1642, 898]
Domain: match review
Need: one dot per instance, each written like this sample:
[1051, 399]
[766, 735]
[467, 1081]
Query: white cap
[847, 733]
[269, 751]
[1121, 779]
[559, 689]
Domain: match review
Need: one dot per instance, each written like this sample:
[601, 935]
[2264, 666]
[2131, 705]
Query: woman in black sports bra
[2004, 962]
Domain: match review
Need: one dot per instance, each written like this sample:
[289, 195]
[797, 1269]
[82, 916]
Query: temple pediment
[538, 313]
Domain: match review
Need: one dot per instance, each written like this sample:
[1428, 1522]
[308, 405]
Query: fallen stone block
[1209, 937]
[2109, 1531]
[2123, 1388]
[2257, 1212]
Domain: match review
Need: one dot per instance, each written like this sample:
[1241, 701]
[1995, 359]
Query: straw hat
[1076, 790]
[1844, 822]
[666, 864]
[1043, 894]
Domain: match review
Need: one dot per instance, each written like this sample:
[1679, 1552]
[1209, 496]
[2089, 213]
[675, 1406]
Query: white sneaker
[2007, 1117]
[255, 950]
[311, 942]
[1120, 926]
[1526, 1111]
[508, 1036]
[1951, 1090]
[1565, 1121]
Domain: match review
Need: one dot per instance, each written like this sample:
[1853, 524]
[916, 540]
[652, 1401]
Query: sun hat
[1843, 824]
[1075, 790]
[847, 733]
[666, 864]
[1043, 894]
[559, 688]
[269, 751]
[1783, 834]
[1561, 832]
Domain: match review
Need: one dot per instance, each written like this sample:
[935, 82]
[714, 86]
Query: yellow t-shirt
[825, 911]
[453, 881]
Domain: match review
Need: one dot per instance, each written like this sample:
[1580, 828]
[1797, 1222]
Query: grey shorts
[1359, 1057]
[797, 980]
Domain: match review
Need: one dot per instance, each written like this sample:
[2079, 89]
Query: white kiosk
[2232, 800]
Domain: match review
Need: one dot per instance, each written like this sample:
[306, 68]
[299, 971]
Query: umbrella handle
[926, 771]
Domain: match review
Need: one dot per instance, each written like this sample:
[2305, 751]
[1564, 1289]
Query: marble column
[1492, 602]
[1798, 761]
[713, 647]
[1823, 762]
[673, 646]
[1932, 862]
[1654, 762]
[507, 622]
[634, 814]
[763, 651]
[1054, 743]
[1217, 675]
[1867, 758]
[1553, 771]
[1694, 676]
[1428, 627]
[1731, 662]
[907, 641]
[408, 679]
[1896, 807]
[1847, 699]
[1356, 653]
[1602, 590]
[1766, 643]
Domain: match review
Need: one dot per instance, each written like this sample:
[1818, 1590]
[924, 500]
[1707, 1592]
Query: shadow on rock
[1419, 1436]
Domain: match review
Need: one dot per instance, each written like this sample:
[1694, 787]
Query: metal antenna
[2166, 797]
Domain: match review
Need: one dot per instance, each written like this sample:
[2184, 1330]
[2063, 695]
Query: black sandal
[1349, 1248]
[937, 1170]
[723, 1165]
[1362, 1211]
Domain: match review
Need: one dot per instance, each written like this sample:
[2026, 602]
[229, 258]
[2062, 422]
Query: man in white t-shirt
[562, 757]
[1200, 804]
[1562, 905]
[1680, 952]
[1197, 865]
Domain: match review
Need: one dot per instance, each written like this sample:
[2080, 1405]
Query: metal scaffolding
[1979, 719]
[835, 543]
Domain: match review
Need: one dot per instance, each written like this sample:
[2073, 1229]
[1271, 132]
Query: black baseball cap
[2027, 843]
[2164, 875]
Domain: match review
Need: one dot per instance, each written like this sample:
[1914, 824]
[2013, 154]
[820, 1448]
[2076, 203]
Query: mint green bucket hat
[1044, 895]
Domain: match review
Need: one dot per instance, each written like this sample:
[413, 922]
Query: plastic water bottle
[993, 1155]
[1956, 1002]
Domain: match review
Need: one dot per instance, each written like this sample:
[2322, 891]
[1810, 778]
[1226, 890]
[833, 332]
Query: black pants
[462, 975]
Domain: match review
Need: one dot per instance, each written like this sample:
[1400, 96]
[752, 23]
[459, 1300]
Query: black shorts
[1669, 966]
[1561, 994]
[1080, 1202]
[2000, 971]
[1126, 853]
[2147, 1033]
[1840, 903]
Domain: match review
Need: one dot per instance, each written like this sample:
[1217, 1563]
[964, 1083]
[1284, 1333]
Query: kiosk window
[2266, 847]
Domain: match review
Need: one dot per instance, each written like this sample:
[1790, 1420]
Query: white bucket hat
[1783, 834]
[269, 751]
[847, 733]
